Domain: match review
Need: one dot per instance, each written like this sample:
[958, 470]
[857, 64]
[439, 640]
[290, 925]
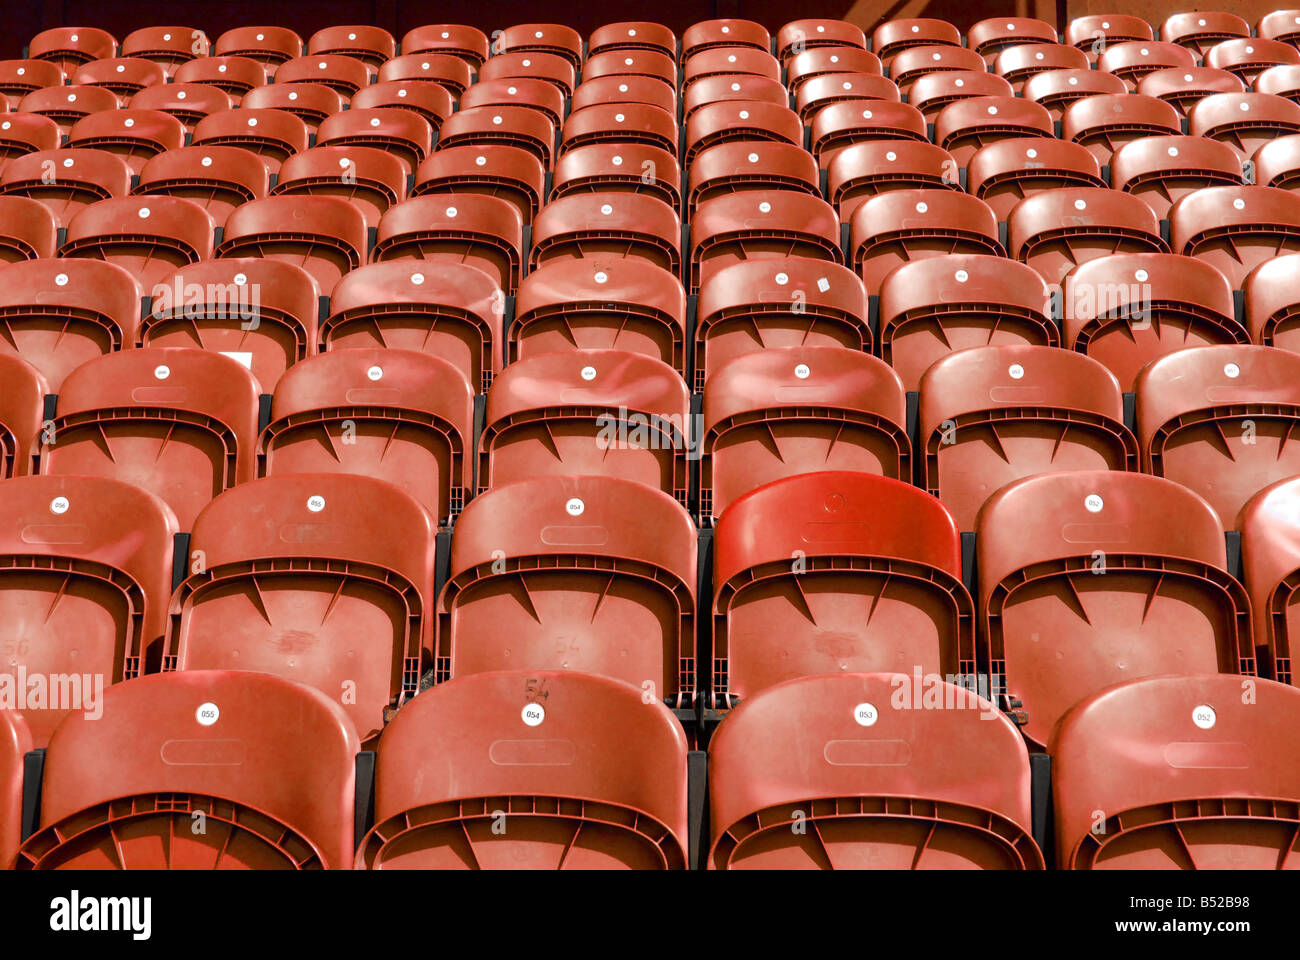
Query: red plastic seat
[553, 38]
[428, 101]
[218, 179]
[1202, 30]
[95, 556]
[1273, 303]
[822, 91]
[799, 36]
[964, 126]
[607, 224]
[1056, 230]
[1056, 90]
[841, 125]
[625, 168]
[269, 46]
[309, 102]
[445, 800]
[323, 578]
[777, 302]
[274, 135]
[401, 133]
[370, 179]
[1106, 122]
[550, 68]
[743, 167]
[458, 40]
[1236, 228]
[932, 92]
[15, 743]
[1283, 25]
[396, 415]
[1095, 33]
[915, 62]
[991, 415]
[511, 173]
[450, 310]
[1244, 121]
[605, 303]
[370, 44]
[728, 61]
[1193, 776]
[1247, 57]
[860, 784]
[20, 77]
[1128, 309]
[66, 181]
[1123, 577]
[344, 74]
[705, 34]
[22, 405]
[23, 133]
[1219, 421]
[27, 230]
[124, 77]
[893, 36]
[326, 236]
[1183, 89]
[1004, 173]
[446, 70]
[609, 91]
[990, 37]
[620, 123]
[781, 411]
[1282, 80]
[167, 46]
[818, 61]
[1020, 63]
[1133, 60]
[741, 227]
[519, 127]
[235, 75]
[526, 569]
[260, 312]
[863, 170]
[69, 47]
[740, 120]
[187, 102]
[900, 226]
[1163, 170]
[59, 314]
[632, 63]
[933, 307]
[133, 135]
[482, 231]
[876, 566]
[178, 422]
[604, 413]
[727, 87]
[631, 35]
[268, 766]
[1270, 561]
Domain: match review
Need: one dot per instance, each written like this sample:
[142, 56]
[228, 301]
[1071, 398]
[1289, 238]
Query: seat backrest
[752, 226]
[217, 178]
[149, 237]
[472, 228]
[15, 743]
[1236, 228]
[66, 181]
[607, 223]
[1273, 303]
[1270, 560]
[1163, 169]
[22, 416]
[326, 236]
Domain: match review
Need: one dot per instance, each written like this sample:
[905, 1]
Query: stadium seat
[607, 413]
[20, 77]
[1202, 30]
[395, 415]
[167, 46]
[751, 120]
[66, 181]
[990, 37]
[235, 75]
[428, 101]
[218, 179]
[551, 68]
[840, 125]
[614, 90]
[15, 742]
[745, 226]
[619, 123]
[817, 61]
[94, 556]
[1247, 57]
[23, 133]
[914, 62]
[1283, 25]
[731, 87]
[1005, 172]
[741, 167]
[269, 46]
[1236, 228]
[268, 766]
[1093, 34]
[69, 47]
[58, 314]
[1055, 90]
[458, 40]
[963, 126]
[632, 63]
[321, 578]
[496, 170]
[553, 38]
[1128, 309]
[862, 783]
[900, 226]
[605, 563]
[1272, 303]
[1244, 121]
[639, 168]
[22, 416]
[1282, 80]
[991, 415]
[133, 135]
[1106, 122]
[1219, 420]
[799, 36]
[863, 170]
[187, 102]
[631, 35]
[781, 411]
[1122, 576]
[607, 224]
[27, 230]
[1270, 560]
[1133, 60]
[1056, 230]
[932, 92]
[124, 77]
[705, 34]
[326, 236]
[178, 422]
[66, 105]
[482, 231]
[344, 74]
[261, 312]
[932, 307]
[777, 302]
[1192, 776]
[370, 44]
[1017, 64]
[819, 92]
[401, 133]
[1162, 170]
[1183, 89]
[444, 69]
[469, 777]
[893, 36]
[531, 94]
[608, 303]
[513, 126]
[274, 135]
[370, 179]
[445, 308]
[309, 102]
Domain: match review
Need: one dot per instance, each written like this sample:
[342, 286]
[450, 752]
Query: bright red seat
[345, 74]
[66, 181]
[20, 77]
[1244, 121]
[187, 102]
[705, 34]
[1270, 560]
[1163, 170]
[1106, 122]
[309, 102]
[963, 126]
[1273, 303]
[218, 179]
[553, 38]
[607, 224]
[1055, 90]
[1134, 59]
[403, 134]
[124, 77]
[1017, 64]
[133, 135]
[269, 46]
[1183, 89]
[482, 231]
[233, 74]
[147, 236]
[631, 35]
[1202, 30]
[515, 126]
[370, 179]
[1004, 173]
[69, 47]
[274, 135]
[620, 123]
[1236, 228]
[990, 37]
[863, 170]
[745, 226]
[326, 236]
[67, 105]
[446, 70]
[458, 40]
[497, 170]
[621, 168]
[15, 743]
[22, 415]
[370, 44]
[23, 133]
